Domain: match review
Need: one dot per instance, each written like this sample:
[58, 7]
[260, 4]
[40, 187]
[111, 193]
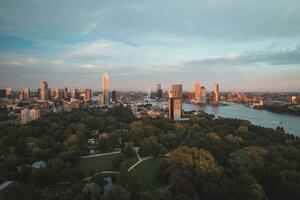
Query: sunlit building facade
[44, 91]
[87, 95]
[175, 102]
[105, 87]
[197, 92]
[28, 115]
[216, 95]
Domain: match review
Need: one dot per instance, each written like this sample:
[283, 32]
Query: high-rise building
[216, 95]
[44, 91]
[2, 93]
[105, 87]
[175, 102]
[101, 99]
[114, 96]
[67, 94]
[28, 115]
[176, 91]
[87, 95]
[203, 94]
[159, 92]
[59, 94]
[197, 95]
[75, 94]
[25, 95]
[8, 92]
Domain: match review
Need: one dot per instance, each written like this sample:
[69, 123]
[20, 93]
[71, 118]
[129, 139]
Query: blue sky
[244, 45]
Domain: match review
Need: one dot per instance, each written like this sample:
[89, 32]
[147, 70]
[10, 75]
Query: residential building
[28, 115]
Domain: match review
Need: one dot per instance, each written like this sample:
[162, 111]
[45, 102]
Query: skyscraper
[8, 92]
[159, 92]
[59, 94]
[175, 102]
[203, 94]
[114, 96]
[75, 93]
[197, 95]
[176, 91]
[216, 95]
[44, 91]
[25, 95]
[87, 95]
[105, 89]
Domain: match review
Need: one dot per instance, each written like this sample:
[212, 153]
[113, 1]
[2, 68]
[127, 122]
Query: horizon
[73, 44]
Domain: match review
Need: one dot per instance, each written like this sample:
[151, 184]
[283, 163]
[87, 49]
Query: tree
[150, 146]
[134, 184]
[192, 158]
[181, 186]
[71, 154]
[91, 191]
[123, 176]
[118, 161]
[128, 149]
[117, 193]
[243, 129]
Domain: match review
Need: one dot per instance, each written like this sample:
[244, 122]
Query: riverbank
[291, 124]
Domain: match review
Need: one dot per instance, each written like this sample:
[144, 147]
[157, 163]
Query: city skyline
[190, 41]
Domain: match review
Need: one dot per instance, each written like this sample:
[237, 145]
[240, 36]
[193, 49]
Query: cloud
[89, 29]
[287, 57]
[8, 59]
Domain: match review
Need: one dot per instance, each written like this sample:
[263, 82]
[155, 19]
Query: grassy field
[147, 171]
[101, 163]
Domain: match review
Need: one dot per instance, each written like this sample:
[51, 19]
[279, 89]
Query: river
[291, 124]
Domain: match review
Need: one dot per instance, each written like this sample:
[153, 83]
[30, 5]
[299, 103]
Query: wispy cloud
[287, 57]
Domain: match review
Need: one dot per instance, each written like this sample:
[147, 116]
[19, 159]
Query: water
[291, 124]
[109, 185]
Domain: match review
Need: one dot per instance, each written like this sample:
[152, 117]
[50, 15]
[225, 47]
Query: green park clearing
[147, 171]
[101, 163]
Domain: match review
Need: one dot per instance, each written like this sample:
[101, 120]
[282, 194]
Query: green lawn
[101, 163]
[147, 171]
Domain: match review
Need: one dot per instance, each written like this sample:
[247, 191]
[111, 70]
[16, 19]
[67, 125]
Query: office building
[159, 92]
[197, 92]
[101, 99]
[8, 92]
[59, 94]
[88, 95]
[203, 94]
[175, 102]
[28, 115]
[2, 93]
[44, 91]
[105, 88]
[114, 96]
[25, 95]
[75, 94]
[216, 95]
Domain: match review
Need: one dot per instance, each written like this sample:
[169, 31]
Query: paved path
[109, 172]
[101, 154]
[140, 160]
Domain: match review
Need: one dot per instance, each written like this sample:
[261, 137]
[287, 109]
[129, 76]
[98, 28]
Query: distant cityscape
[24, 106]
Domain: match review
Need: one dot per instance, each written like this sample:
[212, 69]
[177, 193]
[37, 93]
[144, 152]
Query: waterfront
[291, 124]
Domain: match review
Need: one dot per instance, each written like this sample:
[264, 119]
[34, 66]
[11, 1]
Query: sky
[249, 45]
